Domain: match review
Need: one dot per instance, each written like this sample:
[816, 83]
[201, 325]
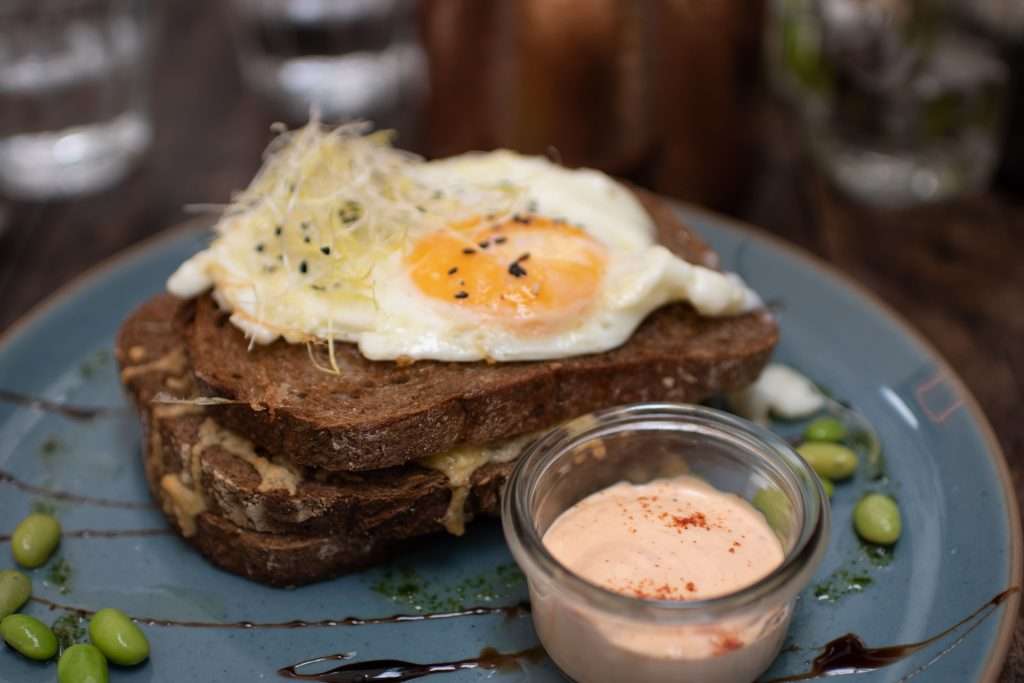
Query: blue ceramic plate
[961, 546]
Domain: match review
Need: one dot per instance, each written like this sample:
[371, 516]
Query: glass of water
[73, 110]
[349, 59]
[899, 108]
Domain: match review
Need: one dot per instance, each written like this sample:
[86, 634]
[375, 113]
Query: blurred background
[885, 136]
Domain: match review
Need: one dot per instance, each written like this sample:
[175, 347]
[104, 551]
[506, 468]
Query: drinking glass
[73, 101]
[899, 106]
[595, 634]
[357, 59]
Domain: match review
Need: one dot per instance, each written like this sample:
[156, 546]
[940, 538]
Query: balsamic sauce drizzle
[8, 478]
[848, 654]
[397, 670]
[74, 412]
[105, 533]
[510, 611]
[845, 655]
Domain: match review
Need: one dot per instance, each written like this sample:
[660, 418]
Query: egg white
[403, 322]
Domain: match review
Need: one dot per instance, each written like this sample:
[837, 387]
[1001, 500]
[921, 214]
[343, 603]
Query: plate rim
[1007, 623]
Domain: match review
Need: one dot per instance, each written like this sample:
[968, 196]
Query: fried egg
[484, 256]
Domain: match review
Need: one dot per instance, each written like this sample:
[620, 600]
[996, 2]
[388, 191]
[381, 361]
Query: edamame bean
[829, 487]
[35, 539]
[29, 636]
[876, 518]
[776, 508]
[82, 663]
[15, 589]
[829, 460]
[825, 429]
[118, 637]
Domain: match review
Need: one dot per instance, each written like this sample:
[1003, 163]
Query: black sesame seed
[325, 250]
[260, 247]
[305, 225]
[469, 250]
[519, 218]
[524, 256]
[350, 212]
[500, 240]
[516, 270]
[278, 230]
[453, 270]
[484, 244]
[307, 240]
[461, 295]
[303, 267]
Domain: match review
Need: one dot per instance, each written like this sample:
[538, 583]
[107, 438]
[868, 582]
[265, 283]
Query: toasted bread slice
[375, 415]
[275, 559]
[258, 491]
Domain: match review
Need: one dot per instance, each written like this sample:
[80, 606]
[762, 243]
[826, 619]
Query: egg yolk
[528, 271]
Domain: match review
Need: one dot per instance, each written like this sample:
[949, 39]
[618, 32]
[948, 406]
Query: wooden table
[953, 270]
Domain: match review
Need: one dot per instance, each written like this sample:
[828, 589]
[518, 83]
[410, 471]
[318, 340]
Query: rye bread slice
[375, 415]
[255, 490]
[275, 559]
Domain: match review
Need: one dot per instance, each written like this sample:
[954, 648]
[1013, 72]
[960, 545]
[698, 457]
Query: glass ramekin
[594, 634]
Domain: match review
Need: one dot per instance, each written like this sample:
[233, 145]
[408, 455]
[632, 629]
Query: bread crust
[395, 502]
[330, 524]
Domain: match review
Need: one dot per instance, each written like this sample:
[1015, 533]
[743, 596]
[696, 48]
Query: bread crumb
[137, 354]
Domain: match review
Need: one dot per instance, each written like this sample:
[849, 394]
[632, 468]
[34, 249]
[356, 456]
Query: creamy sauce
[671, 539]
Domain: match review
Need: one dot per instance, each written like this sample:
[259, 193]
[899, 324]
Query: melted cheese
[174, 362]
[185, 503]
[458, 466]
[177, 383]
[272, 475]
[174, 410]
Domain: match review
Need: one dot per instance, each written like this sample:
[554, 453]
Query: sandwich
[371, 340]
